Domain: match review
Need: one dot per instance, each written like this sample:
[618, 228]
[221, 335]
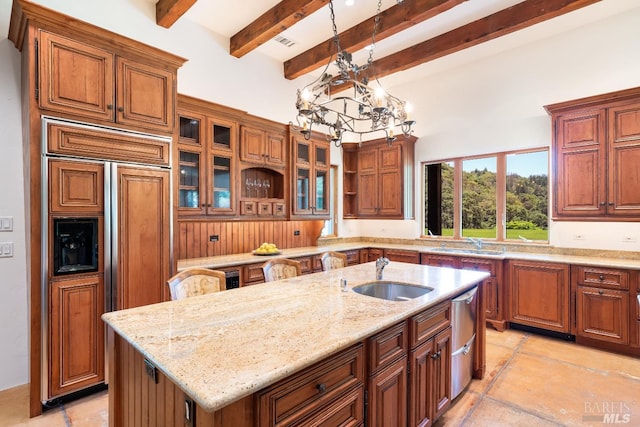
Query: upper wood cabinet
[263, 147]
[596, 152]
[310, 176]
[80, 79]
[378, 179]
[206, 158]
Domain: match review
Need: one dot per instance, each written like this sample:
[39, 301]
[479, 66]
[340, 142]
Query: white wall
[492, 104]
[13, 302]
[496, 104]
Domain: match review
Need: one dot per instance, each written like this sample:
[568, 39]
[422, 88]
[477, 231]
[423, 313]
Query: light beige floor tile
[583, 356]
[497, 357]
[564, 392]
[510, 338]
[490, 413]
[14, 410]
[91, 411]
[459, 409]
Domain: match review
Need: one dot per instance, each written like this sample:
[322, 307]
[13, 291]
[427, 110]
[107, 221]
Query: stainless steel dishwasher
[463, 334]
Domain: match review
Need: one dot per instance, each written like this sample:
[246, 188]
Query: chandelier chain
[376, 22]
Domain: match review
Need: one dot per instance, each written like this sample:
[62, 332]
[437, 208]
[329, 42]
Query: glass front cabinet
[310, 177]
[206, 165]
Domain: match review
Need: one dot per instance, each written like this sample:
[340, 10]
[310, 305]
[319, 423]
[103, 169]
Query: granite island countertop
[221, 347]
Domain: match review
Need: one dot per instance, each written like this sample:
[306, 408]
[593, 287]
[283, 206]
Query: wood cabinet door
[602, 314]
[252, 145]
[142, 236]
[441, 373]
[75, 78]
[390, 190]
[421, 385]
[539, 295]
[624, 160]
[276, 151]
[76, 334]
[76, 187]
[145, 95]
[388, 396]
[580, 183]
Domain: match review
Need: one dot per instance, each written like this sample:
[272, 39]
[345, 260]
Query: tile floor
[530, 381]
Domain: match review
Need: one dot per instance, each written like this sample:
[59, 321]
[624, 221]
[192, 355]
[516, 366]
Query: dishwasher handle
[466, 297]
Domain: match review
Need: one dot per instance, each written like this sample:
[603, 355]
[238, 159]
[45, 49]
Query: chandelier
[362, 110]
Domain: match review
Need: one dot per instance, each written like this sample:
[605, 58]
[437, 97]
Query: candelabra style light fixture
[362, 110]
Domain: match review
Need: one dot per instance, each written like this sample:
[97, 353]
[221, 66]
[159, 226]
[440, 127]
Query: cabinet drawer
[479, 265]
[248, 208]
[402, 256]
[426, 324]
[299, 396]
[387, 346]
[265, 209]
[306, 266]
[353, 257]
[345, 411]
[602, 277]
[252, 274]
[440, 260]
[602, 314]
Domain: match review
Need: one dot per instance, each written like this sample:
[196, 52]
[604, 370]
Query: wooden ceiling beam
[506, 21]
[169, 11]
[271, 23]
[392, 21]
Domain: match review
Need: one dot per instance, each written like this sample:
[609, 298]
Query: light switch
[6, 223]
[6, 249]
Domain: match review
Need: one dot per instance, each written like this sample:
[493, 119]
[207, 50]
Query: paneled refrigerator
[107, 228]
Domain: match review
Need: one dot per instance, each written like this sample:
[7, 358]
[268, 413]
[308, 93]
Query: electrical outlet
[578, 237]
[214, 238]
[296, 232]
[629, 239]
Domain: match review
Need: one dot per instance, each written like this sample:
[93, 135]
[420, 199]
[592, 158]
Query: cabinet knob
[436, 356]
[601, 277]
[600, 292]
[610, 203]
[109, 107]
[321, 387]
[120, 109]
[603, 204]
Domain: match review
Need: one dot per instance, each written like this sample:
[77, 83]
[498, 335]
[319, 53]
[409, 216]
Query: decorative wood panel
[76, 187]
[76, 334]
[143, 236]
[193, 238]
[104, 145]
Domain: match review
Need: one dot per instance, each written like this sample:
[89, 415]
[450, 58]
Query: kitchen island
[207, 358]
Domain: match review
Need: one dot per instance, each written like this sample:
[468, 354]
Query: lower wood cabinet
[412, 257]
[76, 334]
[635, 310]
[328, 393]
[538, 295]
[602, 303]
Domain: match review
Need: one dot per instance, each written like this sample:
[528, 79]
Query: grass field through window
[490, 234]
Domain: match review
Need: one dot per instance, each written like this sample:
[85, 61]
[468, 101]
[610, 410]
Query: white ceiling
[226, 18]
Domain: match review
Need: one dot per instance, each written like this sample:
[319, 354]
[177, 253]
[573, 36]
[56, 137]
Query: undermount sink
[468, 251]
[392, 291]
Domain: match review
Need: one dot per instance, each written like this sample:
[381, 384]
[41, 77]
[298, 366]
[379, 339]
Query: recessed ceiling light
[349, 2]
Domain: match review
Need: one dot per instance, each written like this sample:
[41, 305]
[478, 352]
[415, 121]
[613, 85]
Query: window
[468, 197]
[330, 228]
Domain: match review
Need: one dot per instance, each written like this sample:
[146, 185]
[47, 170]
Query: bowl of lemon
[267, 249]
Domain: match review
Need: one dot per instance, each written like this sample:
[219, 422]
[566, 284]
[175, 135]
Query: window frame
[501, 194]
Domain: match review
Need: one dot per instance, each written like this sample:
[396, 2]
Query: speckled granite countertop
[618, 259]
[222, 347]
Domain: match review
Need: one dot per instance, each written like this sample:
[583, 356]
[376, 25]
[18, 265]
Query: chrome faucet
[477, 242]
[381, 263]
